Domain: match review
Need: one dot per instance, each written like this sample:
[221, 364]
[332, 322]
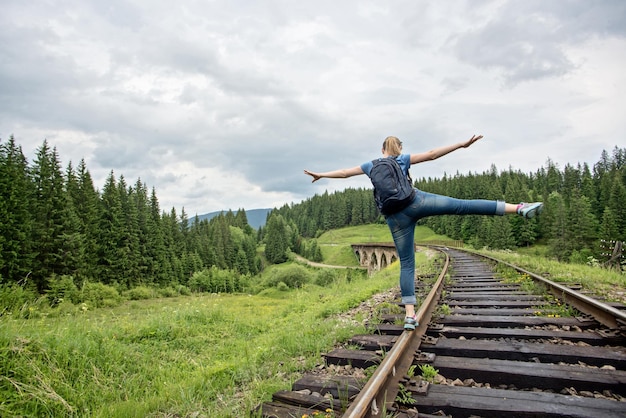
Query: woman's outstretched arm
[336, 174]
[441, 151]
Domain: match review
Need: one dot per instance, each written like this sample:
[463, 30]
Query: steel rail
[373, 400]
[603, 313]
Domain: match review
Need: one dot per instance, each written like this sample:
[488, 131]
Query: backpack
[393, 190]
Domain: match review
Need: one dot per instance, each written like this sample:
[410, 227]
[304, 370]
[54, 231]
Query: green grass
[216, 355]
[335, 244]
[356, 234]
[209, 356]
[602, 282]
[372, 233]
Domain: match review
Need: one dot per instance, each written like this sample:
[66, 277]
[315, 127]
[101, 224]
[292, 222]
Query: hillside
[256, 217]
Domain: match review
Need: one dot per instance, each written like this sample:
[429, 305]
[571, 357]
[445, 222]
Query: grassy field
[208, 355]
[608, 284]
[335, 245]
[211, 355]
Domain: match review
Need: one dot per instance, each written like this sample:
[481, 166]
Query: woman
[402, 223]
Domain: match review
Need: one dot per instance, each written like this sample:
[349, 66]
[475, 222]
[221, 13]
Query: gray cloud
[222, 104]
[528, 40]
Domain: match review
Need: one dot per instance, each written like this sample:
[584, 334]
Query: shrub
[325, 277]
[293, 276]
[167, 292]
[140, 292]
[64, 308]
[99, 295]
[183, 290]
[580, 256]
[215, 280]
[201, 281]
[14, 297]
[61, 288]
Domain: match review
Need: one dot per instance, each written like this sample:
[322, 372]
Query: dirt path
[301, 259]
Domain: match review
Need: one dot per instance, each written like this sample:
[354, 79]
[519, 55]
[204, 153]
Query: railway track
[485, 347]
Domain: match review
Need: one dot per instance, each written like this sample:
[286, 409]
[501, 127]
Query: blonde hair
[392, 146]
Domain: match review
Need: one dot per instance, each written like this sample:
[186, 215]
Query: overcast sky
[222, 104]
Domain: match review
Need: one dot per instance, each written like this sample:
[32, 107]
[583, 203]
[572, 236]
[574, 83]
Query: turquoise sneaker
[410, 323]
[530, 210]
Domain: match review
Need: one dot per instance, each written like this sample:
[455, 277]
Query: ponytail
[392, 146]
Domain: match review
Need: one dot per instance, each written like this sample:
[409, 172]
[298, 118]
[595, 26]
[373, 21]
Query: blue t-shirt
[403, 159]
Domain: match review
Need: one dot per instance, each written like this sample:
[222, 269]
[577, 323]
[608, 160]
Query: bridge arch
[375, 256]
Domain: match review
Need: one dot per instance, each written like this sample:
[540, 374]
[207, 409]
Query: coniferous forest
[57, 227]
[583, 206]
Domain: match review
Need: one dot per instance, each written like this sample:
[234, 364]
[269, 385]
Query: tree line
[55, 223]
[583, 205]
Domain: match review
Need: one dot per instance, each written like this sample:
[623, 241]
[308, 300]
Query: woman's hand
[473, 139]
[315, 176]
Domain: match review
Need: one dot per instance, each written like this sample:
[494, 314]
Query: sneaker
[410, 323]
[529, 210]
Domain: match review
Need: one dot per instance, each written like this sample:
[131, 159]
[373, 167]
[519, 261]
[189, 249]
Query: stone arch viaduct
[375, 255]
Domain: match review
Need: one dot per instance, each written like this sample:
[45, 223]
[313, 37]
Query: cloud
[528, 40]
[221, 105]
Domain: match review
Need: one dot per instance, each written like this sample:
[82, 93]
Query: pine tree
[16, 210]
[241, 221]
[602, 180]
[609, 231]
[556, 218]
[129, 245]
[159, 264]
[48, 210]
[617, 204]
[184, 230]
[72, 237]
[582, 226]
[86, 201]
[500, 233]
[173, 244]
[139, 201]
[276, 240]
[586, 186]
[112, 257]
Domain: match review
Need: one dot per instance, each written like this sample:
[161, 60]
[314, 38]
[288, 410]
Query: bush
[325, 277]
[140, 293]
[580, 256]
[61, 288]
[168, 292]
[293, 276]
[183, 290]
[215, 280]
[64, 308]
[14, 297]
[201, 281]
[99, 295]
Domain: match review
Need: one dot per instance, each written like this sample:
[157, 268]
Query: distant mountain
[256, 217]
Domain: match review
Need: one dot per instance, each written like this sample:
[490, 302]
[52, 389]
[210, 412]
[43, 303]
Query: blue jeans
[402, 226]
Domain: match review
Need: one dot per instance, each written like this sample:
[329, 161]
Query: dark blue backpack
[393, 190]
